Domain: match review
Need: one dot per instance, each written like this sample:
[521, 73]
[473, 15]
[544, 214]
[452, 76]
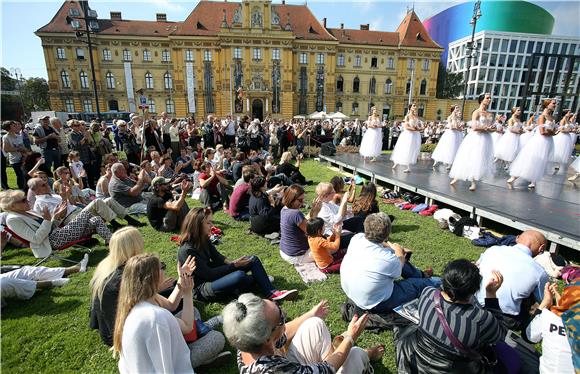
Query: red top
[239, 200]
[212, 186]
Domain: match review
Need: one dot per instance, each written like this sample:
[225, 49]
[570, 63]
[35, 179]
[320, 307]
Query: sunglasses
[281, 320]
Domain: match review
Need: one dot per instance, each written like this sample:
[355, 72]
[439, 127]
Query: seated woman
[43, 231]
[326, 251]
[453, 330]
[291, 171]
[367, 201]
[338, 185]
[265, 207]
[213, 188]
[548, 327]
[266, 343]
[293, 240]
[64, 179]
[215, 276]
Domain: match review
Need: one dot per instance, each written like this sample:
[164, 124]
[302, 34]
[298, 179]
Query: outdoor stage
[552, 208]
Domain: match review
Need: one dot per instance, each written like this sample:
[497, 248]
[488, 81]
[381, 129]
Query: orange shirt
[322, 249]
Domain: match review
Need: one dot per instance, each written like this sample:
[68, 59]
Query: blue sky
[20, 48]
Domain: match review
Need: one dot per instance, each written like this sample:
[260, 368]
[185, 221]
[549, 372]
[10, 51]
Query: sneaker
[284, 295]
[272, 236]
[275, 242]
[271, 278]
[84, 262]
[215, 322]
[220, 359]
[60, 282]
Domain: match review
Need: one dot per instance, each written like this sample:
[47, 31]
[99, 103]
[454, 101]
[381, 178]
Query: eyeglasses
[281, 320]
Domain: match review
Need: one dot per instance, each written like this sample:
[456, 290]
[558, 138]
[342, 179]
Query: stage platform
[552, 208]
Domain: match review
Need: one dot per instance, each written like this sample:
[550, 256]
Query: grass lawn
[50, 333]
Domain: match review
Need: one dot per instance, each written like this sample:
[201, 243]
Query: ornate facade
[251, 57]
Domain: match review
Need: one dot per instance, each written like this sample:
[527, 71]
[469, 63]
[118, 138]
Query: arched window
[356, 85]
[408, 88]
[373, 86]
[151, 104]
[84, 79]
[338, 106]
[168, 81]
[421, 110]
[110, 80]
[148, 80]
[389, 86]
[169, 106]
[65, 78]
[355, 108]
[339, 84]
[423, 88]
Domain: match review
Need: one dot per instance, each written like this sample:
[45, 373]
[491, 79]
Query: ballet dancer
[450, 140]
[531, 162]
[372, 142]
[563, 145]
[509, 144]
[498, 133]
[474, 159]
[408, 146]
[529, 129]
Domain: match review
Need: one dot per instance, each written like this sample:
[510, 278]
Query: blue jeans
[20, 179]
[239, 281]
[51, 158]
[407, 289]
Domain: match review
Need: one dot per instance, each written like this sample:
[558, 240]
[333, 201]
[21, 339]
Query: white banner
[129, 85]
[190, 78]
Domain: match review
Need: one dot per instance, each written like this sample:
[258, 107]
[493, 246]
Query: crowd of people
[86, 178]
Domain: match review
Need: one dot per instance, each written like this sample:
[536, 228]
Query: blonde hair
[323, 188]
[286, 157]
[547, 102]
[125, 243]
[9, 197]
[139, 282]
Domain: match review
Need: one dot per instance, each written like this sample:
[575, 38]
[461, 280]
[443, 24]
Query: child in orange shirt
[325, 251]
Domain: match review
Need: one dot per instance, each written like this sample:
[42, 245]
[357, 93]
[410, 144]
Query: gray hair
[34, 183]
[9, 197]
[116, 167]
[53, 120]
[377, 227]
[245, 324]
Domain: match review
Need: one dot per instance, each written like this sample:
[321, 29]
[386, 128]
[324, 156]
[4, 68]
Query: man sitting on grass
[240, 199]
[126, 191]
[164, 212]
[371, 267]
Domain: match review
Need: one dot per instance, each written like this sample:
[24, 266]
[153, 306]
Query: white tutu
[372, 143]
[576, 164]
[474, 158]
[532, 161]
[407, 148]
[447, 147]
[507, 147]
[562, 148]
[573, 138]
[495, 137]
[525, 137]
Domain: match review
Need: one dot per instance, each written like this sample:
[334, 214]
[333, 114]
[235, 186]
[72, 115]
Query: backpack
[461, 223]
[376, 323]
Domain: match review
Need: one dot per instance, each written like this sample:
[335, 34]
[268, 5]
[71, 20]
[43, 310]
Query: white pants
[21, 283]
[297, 260]
[108, 209]
[312, 343]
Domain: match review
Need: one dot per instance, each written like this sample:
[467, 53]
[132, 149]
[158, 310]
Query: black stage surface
[553, 207]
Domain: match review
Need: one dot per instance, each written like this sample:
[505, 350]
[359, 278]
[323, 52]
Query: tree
[11, 106]
[35, 94]
[449, 85]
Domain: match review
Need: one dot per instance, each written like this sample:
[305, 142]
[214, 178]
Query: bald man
[523, 278]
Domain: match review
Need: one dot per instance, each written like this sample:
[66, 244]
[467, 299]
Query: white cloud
[167, 5]
[566, 20]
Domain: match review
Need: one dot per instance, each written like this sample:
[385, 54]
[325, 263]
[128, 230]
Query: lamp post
[471, 47]
[89, 16]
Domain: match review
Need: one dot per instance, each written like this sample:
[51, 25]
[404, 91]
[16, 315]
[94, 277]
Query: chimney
[161, 17]
[116, 16]
[324, 22]
[342, 25]
[364, 27]
[283, 2]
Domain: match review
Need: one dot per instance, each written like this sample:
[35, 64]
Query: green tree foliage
[449, 85]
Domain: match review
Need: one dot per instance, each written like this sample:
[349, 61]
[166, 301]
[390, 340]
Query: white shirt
[522, 276]
[368, 272]
[77, 169]
[51, 201]
[329, 212]
[231, 128]
[556, 352]
[153, 343]
[174, 134]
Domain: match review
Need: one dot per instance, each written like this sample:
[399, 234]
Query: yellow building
[251, 57]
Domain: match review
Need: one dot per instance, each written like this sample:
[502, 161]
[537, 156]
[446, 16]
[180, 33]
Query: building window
[340, 61]
[69, 105]
[148, 80]
[374, 62]
[276, 54]
[147, 55]
[65, 78]
[165, 56]
[60, 54]
[411, 63]
[168, 81]
[188, 55]
[390, 63]
[127, 55]
[107, 56]
[87, 105]
[355, 108]
[303, 58]
[237, 53]
[357, 61]
[169, 106]
[339, 84]
[207, 55]
[110, 80]
[356, 85]
[257, 53]
[423, 87]
[408, 87]
[421, 111]
[373, 86]
[320, 58]
[426, 65]
[338, 107]
[84, 79]
[389, 87]
[80, 53]
[151, 104]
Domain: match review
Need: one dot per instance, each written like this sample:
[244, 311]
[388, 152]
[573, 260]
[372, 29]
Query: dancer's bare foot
[452, 183]
[574, 177]
[407, 170]
[511, 180]
[473, 186]
[532, 185]
[376, 353]
[394, 166]
[374, 159]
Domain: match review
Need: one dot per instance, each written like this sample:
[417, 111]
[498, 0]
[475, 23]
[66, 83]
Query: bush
[347, 149]
[308, 151]
[428, 147]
